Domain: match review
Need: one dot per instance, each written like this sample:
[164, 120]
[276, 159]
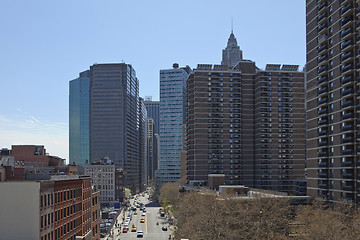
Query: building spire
[232, 25]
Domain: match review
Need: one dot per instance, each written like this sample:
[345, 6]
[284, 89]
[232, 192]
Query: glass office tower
[79, 119]
[172, 100]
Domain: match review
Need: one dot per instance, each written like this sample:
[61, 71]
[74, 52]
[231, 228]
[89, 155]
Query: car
[164, 228]
[142, 220]
[133, 229]
[125, 230]
[143, 214]
[140, 234]
[135, 213]
[144, 210]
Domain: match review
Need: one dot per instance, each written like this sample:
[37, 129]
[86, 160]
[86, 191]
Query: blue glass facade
[172, 102]
[79, 119]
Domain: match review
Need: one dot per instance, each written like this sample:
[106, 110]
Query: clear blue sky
[45, 44]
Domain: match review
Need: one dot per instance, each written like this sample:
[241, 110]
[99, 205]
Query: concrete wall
[20, 210]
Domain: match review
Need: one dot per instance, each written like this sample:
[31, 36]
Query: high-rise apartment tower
[332, 94]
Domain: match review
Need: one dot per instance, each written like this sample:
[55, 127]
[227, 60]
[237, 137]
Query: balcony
[346, 20]
[347, 152]
[323, 143]
[345, 80]
[347, 175]
[322, 90]
[347, 104]
[322, 69]
[347, 164]
[346, 44]
[321, 6]
[345, 68]
[322, 79]
[322, 111]
[323, 132]
[346, 32]
[322, 154]
[346, 56]
[323, 122]
[345, 9]
[347, 139]
[321, 17]
[323, 175]
[348, 188]
[347, 128]
[323, 164]
[322, 27]
[322, 101]
[347, 115]
[322, 48]
[322, 58]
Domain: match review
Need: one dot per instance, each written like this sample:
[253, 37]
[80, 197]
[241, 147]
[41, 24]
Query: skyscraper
[153, 110]
[79, 119]
[333, 39]
[220, 123]
[279, 128]
[114, 118]
[172, 100]
[246, 124]
[232, 54]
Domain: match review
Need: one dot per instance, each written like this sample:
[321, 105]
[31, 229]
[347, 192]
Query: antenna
[232, 25]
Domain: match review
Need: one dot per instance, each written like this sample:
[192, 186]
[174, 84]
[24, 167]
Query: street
[149, 228]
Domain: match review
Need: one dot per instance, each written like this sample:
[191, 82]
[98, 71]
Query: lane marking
[146, 223]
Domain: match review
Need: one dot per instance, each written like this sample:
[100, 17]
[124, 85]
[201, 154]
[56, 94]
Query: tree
[127, 193]
[169, 192]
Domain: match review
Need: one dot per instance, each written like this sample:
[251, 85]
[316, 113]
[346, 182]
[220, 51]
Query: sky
[45, 44]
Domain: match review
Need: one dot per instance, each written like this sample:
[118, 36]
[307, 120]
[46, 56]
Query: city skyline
[42, 50]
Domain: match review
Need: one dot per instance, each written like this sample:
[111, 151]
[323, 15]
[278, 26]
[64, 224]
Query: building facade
[102, 175]
[79, 119]
[232, 54]
[114, 118]
[332, 94]
[219, 121]
[143, 146]
[60, 208]
[279, 128]
[151, 162]
[172, 102]
[246, 124]
[153, 111]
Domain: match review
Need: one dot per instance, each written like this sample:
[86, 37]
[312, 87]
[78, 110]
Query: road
[151, 230]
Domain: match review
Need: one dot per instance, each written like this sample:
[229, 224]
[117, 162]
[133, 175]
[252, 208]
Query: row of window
[66, 195]
[46, 200]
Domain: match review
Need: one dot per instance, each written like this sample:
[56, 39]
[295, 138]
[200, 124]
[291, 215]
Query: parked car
[125, 230]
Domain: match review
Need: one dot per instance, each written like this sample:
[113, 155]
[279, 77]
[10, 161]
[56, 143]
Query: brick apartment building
[333, 65]
[64, 207]
[246, 123]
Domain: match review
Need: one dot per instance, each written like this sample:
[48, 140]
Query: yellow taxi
[142, 220]
[133, 229]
